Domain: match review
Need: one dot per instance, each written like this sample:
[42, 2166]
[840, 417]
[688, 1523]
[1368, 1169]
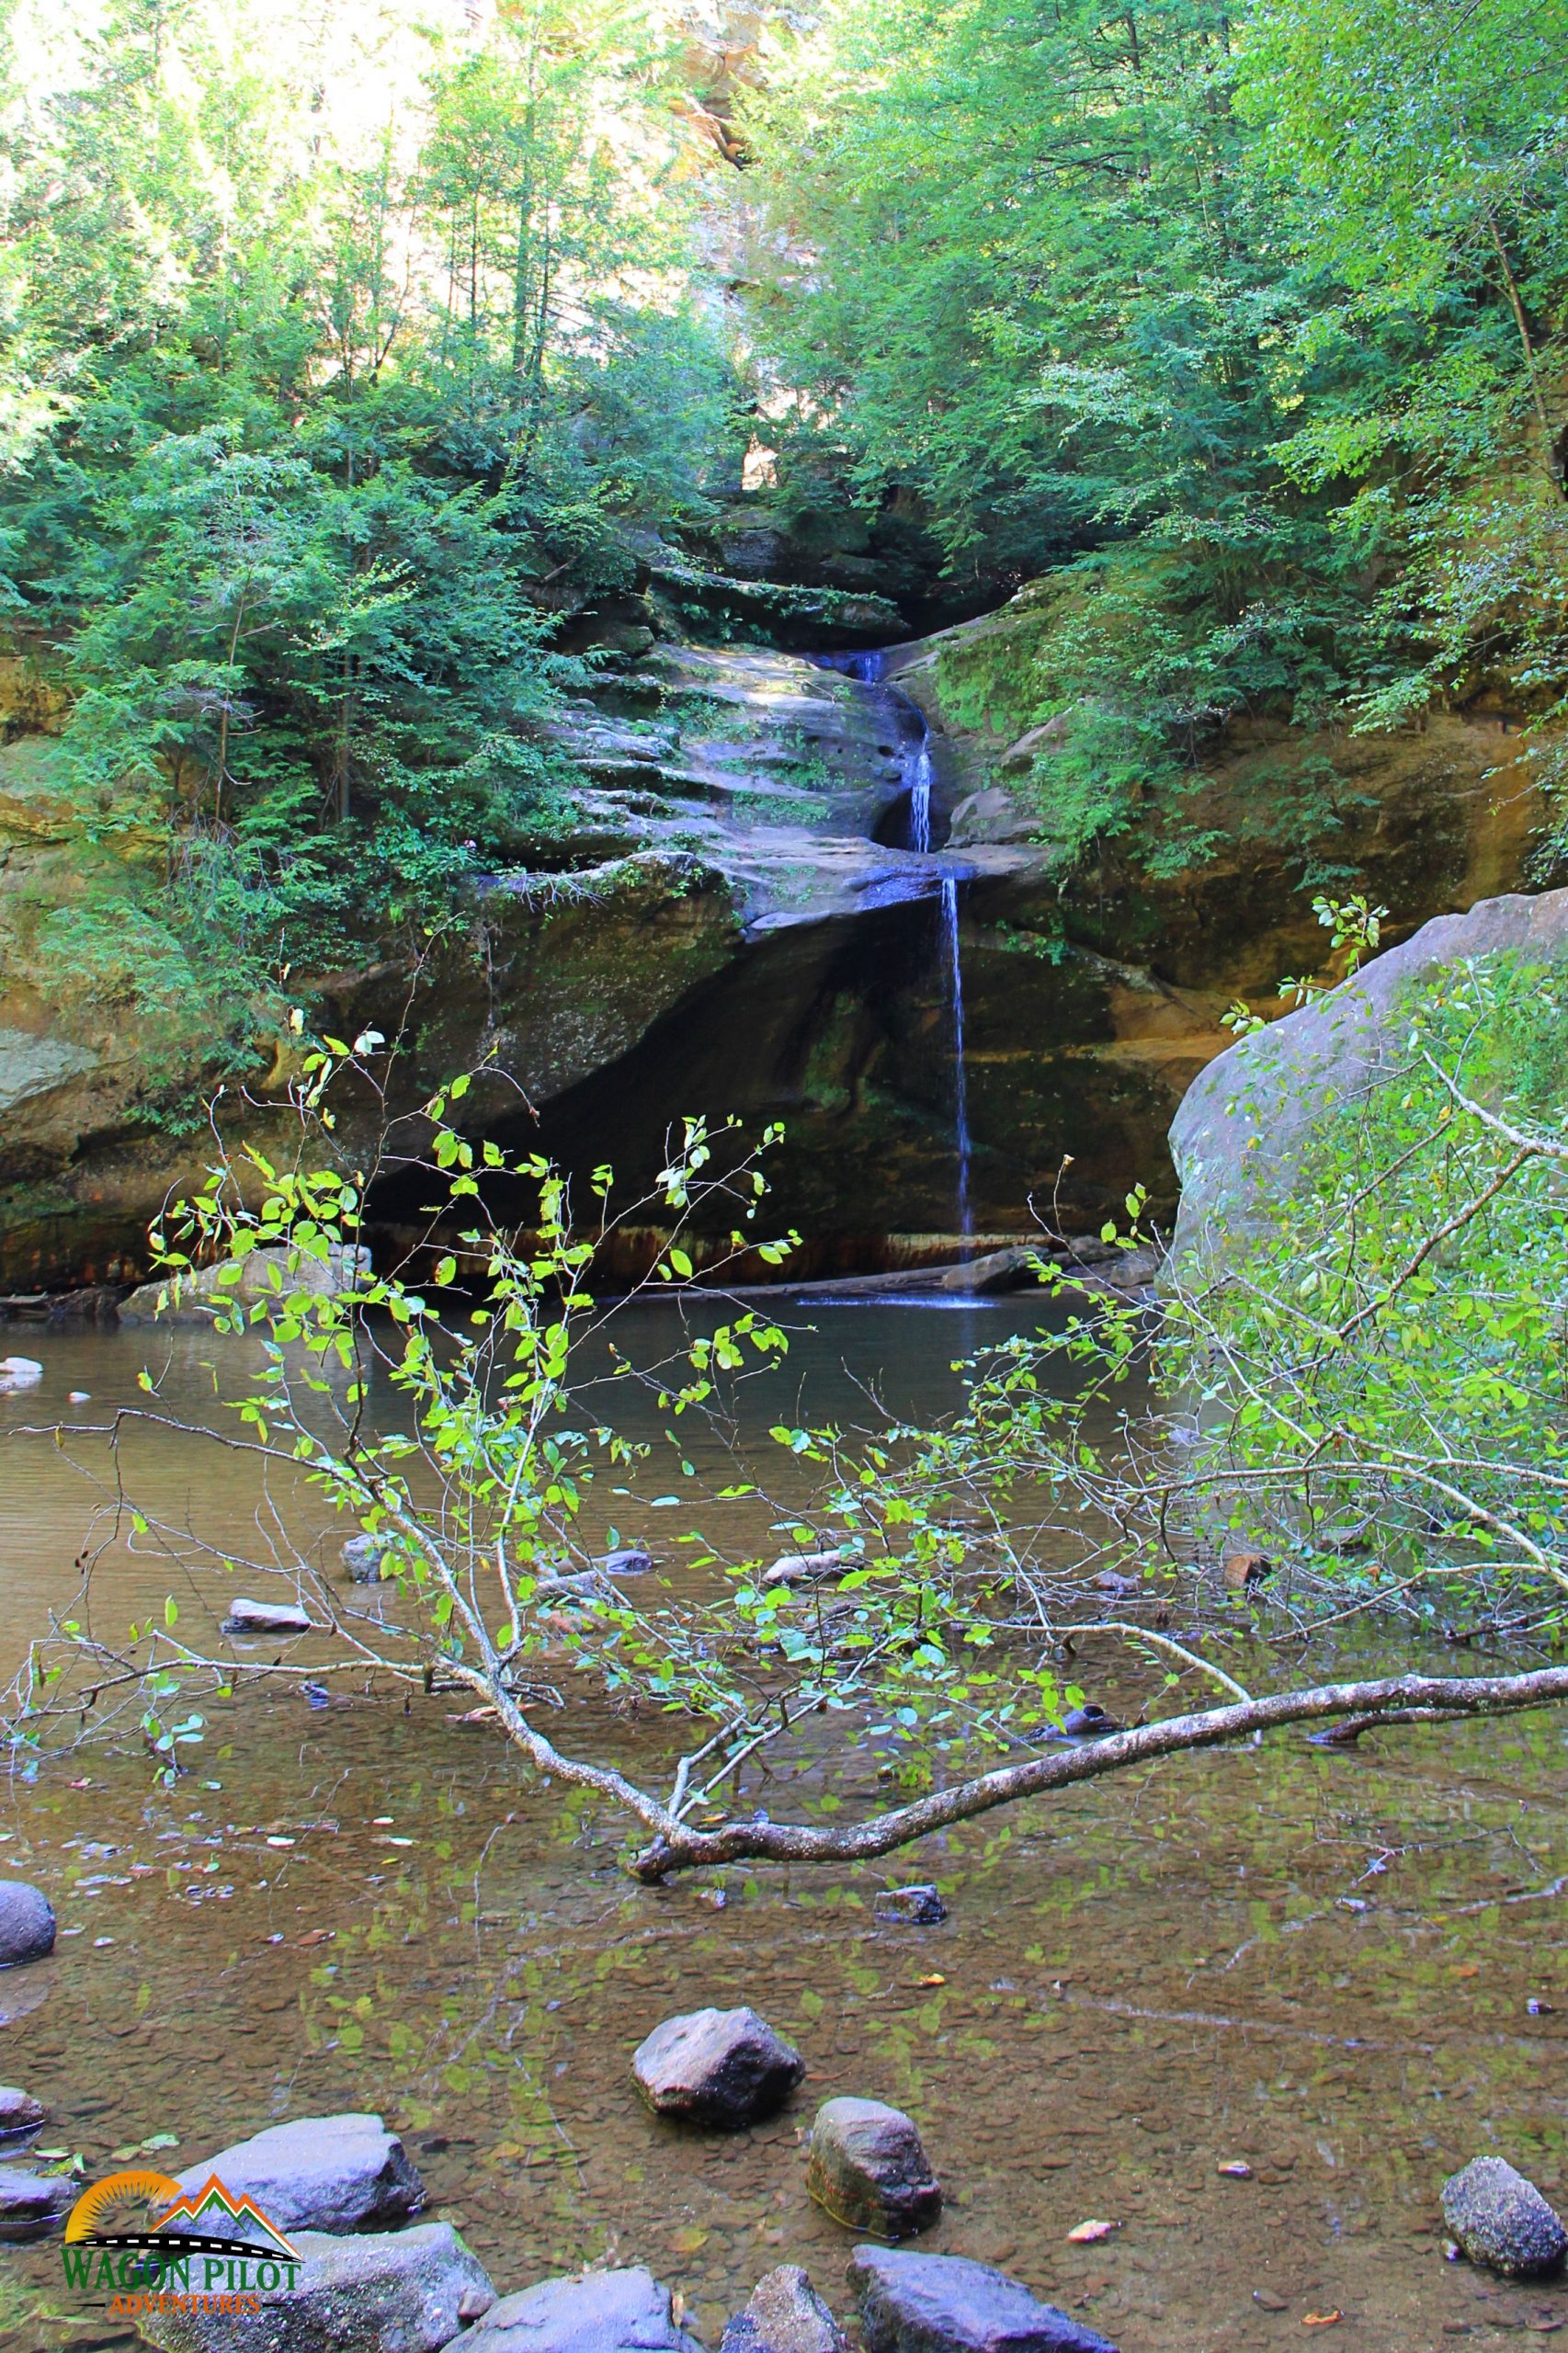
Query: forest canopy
[354, 357]
[346, 352]
[1244, 323]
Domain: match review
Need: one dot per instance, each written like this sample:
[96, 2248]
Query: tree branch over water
[457, 1409]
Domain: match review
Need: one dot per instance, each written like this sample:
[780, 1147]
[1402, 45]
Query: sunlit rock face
[1093, 995]
[1244, 1134]
[737, 921]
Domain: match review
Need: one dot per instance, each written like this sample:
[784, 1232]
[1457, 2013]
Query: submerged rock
[26, 1923]
[1500, 2218]
[267, 1618]
[1089, 1722]
[320, 2173]
[19, 2112]
[263, 1274]
[869, 2170]
[805, 1568]
[364, 1557]
[33, 2204]
[402, 2291]
[919, 1907]
[784, 2315]
[592, 2312]
[945, 2303]
[723, 2067]
[19, 1372]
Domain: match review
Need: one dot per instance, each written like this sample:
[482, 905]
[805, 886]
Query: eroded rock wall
[733, 925]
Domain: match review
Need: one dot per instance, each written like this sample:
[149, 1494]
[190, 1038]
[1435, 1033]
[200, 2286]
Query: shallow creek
[1316, 1964]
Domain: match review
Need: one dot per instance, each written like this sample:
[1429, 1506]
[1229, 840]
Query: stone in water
[784, 2315]
[267, 1618]
[869, 2170]
[26, 1923]
[723, 2067]
[945, 2303]
[1500, 2218]
[917, 1907]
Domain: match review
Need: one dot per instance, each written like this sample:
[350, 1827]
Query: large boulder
[33, 2204]
[592, 2312]
[721, 2067]
[320, 2173]
[1245, 1125]
[784, 2315]
[868, 2169]
[405, 2292]
[26, 1923]
[945, 2303]
[1500, 2218]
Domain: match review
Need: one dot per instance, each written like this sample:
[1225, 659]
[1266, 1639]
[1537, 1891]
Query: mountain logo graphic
[211, 2207]
[169, 2218]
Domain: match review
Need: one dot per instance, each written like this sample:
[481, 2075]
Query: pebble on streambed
[1501, 2220]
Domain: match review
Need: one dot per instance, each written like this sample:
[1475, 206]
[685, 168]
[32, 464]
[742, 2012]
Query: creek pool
[1344, 1971]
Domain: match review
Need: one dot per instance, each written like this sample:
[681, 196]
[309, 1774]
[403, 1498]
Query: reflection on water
[850, 1366]
[1316, 1964]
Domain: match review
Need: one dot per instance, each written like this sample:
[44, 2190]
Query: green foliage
[1384, 1349]
[1244, 323]
[1367, 1379]
[336, 378]
[442, 1409]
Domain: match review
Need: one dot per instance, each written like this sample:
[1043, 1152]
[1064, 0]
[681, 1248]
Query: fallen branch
[1390, 1698]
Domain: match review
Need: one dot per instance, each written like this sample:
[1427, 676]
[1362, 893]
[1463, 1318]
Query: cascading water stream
[920, 796]
[919, 776]
[954, 965]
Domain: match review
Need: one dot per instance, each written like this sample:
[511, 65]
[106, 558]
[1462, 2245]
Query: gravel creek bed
[1316, 1965]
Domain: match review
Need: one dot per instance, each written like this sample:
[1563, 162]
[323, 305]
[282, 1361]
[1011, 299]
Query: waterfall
[915, 827]
[961, 1076]
[920, 795]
